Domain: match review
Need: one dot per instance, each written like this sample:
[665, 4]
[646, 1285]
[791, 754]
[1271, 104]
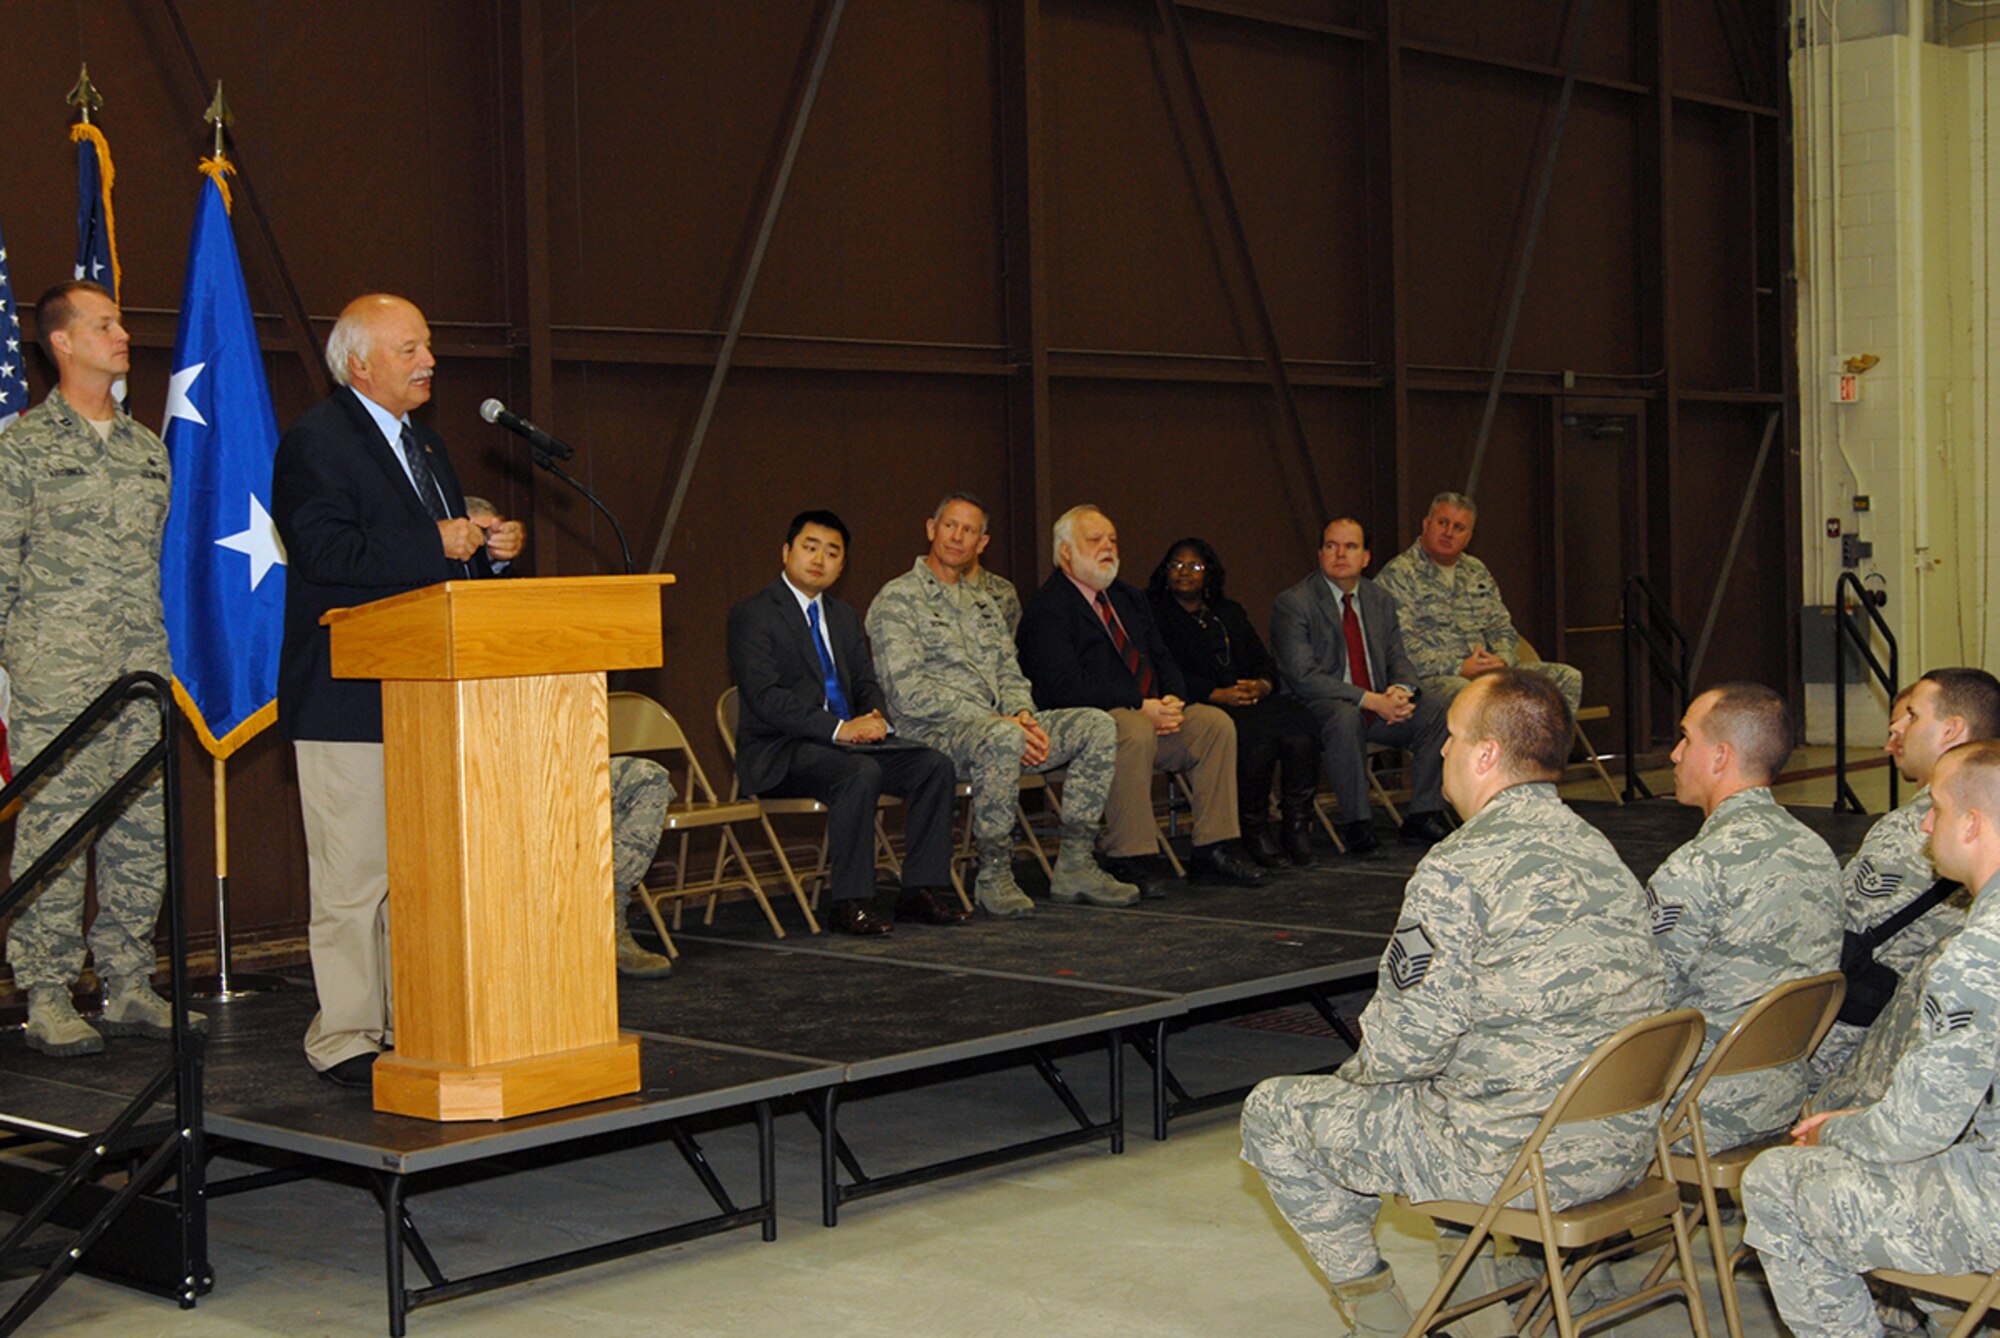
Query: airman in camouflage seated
[945, 657]
[1751, 902]
[1455, 625]
[1522, 945]
[1909, 1182]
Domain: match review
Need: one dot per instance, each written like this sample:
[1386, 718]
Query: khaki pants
[1204, 748]
[347, 858]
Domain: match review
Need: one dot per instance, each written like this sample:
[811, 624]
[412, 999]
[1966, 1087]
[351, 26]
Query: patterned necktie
[836, 700]
[1357, 653]
[420, 474]
[1135, 663]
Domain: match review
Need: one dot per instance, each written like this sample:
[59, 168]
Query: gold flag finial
[85, 97]
[219, 116]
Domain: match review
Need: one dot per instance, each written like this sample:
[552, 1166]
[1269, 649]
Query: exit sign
[1845, 389]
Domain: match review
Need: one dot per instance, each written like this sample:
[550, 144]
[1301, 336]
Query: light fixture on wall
[1844, 386]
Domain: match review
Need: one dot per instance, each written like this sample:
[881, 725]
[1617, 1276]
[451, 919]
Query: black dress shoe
[854, 917]
[1263, 848]
[1296, 838]
[921, 906]
[357, 1071]
[1425, 828]
[1358, 837]
[1138, 871]
[1219, 862]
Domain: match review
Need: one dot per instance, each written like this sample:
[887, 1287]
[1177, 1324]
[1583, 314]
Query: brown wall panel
[1715, 308]
[1533, 32]
[1718, 448]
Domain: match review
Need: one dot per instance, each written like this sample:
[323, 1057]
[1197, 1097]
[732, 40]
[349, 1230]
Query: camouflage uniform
[81, 520]
[640, 793]
[1002, 592]
[1444, 619]
[1863, 1074]
[1909, 1182]
[946, 663]
[1892, 869]
[1751, 902]
[1521, 946]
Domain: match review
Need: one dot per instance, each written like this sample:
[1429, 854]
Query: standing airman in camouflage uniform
[1522, 945]
[1751, 902]
[83, 504]
[1909, 1182]
[946, 663]
[1943, 709]
[640, 793]
[1455, 624]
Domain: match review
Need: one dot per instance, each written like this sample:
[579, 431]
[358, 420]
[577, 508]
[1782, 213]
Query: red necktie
[1135, 663]
[1357, 654]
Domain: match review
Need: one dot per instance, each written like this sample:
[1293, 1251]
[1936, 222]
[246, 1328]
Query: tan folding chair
[727, 711]
[1525, 653]
[638, 724]
[1637, 1069]
[1325, 805]
[1977, 1292]
[1784, 1027]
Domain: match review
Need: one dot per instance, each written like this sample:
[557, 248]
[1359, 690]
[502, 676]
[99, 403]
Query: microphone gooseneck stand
[548, 462]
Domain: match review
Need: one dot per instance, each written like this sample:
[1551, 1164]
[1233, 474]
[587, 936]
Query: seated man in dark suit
[1340, 650]
[812, 727]
[1089, 639]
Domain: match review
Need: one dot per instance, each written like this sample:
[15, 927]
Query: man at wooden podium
[368, 505]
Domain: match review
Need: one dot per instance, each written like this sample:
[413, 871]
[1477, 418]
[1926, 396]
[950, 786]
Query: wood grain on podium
[496, 629]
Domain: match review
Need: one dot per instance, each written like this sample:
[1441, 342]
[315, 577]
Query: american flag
[13, 364]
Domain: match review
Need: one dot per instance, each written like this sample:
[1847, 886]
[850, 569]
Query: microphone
[493, 411]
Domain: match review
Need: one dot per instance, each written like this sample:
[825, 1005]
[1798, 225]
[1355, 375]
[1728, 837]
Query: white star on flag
[258, 541]
[178, 403]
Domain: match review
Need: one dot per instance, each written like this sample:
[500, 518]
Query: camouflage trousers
[1821, 1218]
[1328, 1149]
[640, 793]
[1568, 681]
[988, 755]
[46, 943]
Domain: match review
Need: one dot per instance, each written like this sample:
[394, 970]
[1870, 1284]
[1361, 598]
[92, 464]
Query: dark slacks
[1345, 731]
[850, 781]
[1277, 734]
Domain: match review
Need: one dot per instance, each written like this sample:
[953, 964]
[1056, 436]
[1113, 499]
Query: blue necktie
[836, 700]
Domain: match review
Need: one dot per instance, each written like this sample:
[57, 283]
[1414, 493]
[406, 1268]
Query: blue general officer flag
[96, 234]
[222, 573]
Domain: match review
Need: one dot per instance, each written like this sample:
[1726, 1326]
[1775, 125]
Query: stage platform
[747, 1021]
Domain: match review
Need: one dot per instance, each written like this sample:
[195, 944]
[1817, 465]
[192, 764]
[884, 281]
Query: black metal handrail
[181, 1149]
[1651, 624]
[1849, 630]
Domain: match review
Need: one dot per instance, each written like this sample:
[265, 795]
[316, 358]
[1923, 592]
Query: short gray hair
[970, 500]
[349, 338]
[1065, 528]
[1457, 500]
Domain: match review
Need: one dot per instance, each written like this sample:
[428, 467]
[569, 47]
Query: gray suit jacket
[1311, 647]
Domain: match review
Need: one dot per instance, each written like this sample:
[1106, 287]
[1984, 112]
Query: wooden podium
[497, 770]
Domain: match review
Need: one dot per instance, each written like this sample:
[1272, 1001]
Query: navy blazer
[1310, 642]
[781, 692]
[1069, 656]
[354, 531]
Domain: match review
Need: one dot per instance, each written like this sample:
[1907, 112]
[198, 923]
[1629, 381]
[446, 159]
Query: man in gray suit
[1340, 651]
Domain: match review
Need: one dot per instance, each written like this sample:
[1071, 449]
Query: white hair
[1065, 528]
[349, 339]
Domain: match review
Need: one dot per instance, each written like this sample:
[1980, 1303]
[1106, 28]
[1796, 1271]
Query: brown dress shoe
[853, 917]
[920, 905]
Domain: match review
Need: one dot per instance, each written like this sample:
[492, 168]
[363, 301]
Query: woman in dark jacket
[1226, 665]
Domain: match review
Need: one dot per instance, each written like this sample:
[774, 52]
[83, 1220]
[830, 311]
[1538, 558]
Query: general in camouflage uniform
[1909, 1182]
[1750, 903]
[945, 659]
[640, 793]
[1522, 945]
[1450, 606]
[83, 506]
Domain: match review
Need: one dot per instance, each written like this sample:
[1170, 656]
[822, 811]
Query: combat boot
[55, 1029]
[635, 962]
[132, 1009]
[1077, 877]
[994, 887]
[1373, 1303]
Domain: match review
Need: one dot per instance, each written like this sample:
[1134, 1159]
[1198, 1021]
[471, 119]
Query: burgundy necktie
[1357, 653]
[1135, 663]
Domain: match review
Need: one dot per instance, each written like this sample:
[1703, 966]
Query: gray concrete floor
[1173, 1238]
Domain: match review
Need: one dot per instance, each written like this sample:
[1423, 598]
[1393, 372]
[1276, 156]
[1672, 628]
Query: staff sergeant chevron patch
[1410, 956]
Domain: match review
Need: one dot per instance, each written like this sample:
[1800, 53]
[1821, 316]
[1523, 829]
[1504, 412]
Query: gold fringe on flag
[217, 169]
[79, 132]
